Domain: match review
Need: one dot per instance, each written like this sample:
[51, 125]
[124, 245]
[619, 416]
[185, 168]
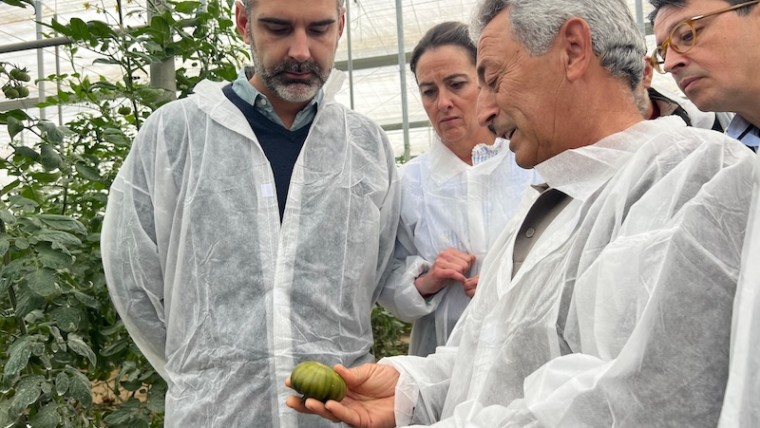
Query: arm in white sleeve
[649, 324]
[422, 385]
[400, 296]
[653, 316]
[130, 254]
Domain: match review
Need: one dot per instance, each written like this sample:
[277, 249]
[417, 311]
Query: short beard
[291, 90]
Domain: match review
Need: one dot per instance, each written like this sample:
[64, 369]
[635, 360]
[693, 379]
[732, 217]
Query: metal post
[40, 58]
[402, 74]
[162, 74]
[640, 16]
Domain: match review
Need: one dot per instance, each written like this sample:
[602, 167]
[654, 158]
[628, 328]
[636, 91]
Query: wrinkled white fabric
[740, 406]
[221, 298]
[638, 271]
[447, 203]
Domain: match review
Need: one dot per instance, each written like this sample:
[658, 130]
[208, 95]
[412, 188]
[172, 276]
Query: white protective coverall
[740, 406]
[221, 298]
[636, 275]
[447, 203]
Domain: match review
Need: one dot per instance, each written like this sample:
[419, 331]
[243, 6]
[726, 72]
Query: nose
[487, 109]
[299, 49]
[673, 60]
[444, 100]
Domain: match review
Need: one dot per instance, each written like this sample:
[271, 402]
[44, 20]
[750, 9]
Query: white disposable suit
[740, 407]
[223, 299]
[448, 203]
[621, 313]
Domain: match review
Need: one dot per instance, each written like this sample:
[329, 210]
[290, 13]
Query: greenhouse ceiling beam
[412, 125]
[34, 44]
[372, 62]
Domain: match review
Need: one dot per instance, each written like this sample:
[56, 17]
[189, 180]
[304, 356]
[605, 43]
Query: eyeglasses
[683, 37]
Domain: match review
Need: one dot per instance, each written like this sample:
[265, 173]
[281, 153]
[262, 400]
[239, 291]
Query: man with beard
[251, 225]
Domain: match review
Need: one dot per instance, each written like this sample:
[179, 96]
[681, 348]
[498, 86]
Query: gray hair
[249, 4]
[615, 37]
[659, 4]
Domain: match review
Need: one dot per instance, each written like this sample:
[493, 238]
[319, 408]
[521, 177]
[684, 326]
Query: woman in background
[456, 198]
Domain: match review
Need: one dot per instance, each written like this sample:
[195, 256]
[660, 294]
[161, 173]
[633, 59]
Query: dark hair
[249, 4]
[659, 4]
[444, 34]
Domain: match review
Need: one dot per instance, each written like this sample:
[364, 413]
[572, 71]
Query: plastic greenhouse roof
[373, 32]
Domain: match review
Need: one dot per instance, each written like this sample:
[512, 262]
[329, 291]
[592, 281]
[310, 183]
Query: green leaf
[15, 126]
[19, 354]
[59, 238]
[88, 172]
[116, 137]
[26, 152]
[78, 345]
[79, 29]
[27, 393]
[79, 387]
[114, 348]
[4, 245]
[117, 327]
[187, 6]
[12, 185]
[47, 417]
[49, 157]
[51, 131]
[42, 282]
[157, 397]
[7, 217]
[18, 3]
[21, 243]
[86, 300]
[53, 259]
[62, 222]
[5, 419]
[61, 383]
[100, 29]
[67, 319]
[28, 301]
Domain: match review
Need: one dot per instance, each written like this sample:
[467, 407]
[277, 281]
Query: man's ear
[241, 20]
[342, 22]
[575, 39]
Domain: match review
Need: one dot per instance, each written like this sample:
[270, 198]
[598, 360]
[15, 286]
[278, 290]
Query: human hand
[369, 400]
[450, 265]
[470, 284]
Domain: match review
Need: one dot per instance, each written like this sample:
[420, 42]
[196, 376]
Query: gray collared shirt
[251, 95]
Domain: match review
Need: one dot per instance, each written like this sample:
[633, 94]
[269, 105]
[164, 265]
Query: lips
[507, 135]
[449, 119]
[686, 82]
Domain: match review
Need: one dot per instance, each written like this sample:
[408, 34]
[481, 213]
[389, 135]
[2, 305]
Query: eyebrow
[481, 71]
[278, 21]
[445, 79]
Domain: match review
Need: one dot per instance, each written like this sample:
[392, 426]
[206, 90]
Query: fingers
[450, 265]
[318, 408]
[470, 285]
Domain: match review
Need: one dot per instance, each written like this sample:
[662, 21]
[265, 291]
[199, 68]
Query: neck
[603, 114]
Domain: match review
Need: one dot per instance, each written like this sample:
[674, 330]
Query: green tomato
[11, 93]
[316, 380]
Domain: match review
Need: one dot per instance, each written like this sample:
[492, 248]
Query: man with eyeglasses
[710, 48]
